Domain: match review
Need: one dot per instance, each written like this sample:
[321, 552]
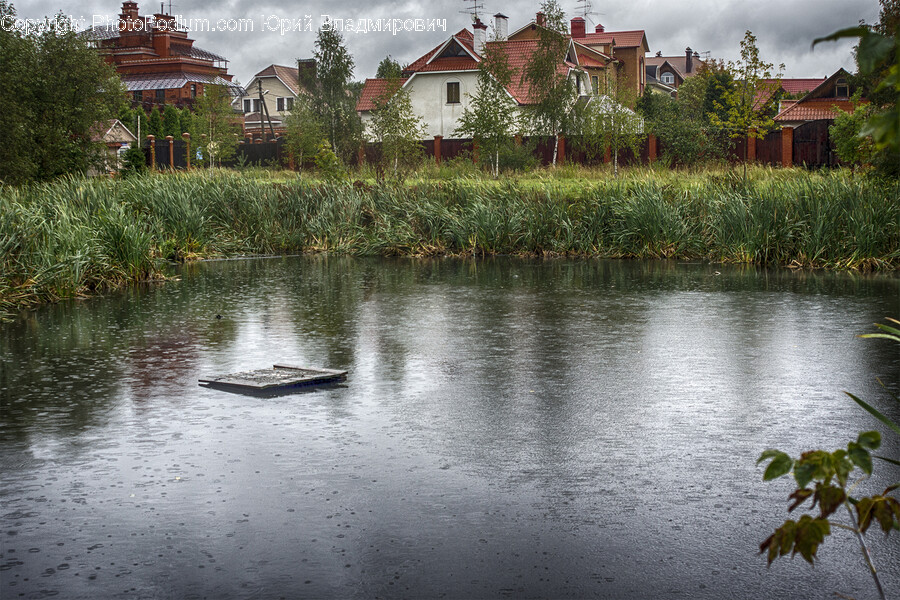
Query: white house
[441, 80]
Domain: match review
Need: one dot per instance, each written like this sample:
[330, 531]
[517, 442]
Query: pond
[508, 428]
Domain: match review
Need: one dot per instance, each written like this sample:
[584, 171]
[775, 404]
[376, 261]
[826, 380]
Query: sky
[784, 28]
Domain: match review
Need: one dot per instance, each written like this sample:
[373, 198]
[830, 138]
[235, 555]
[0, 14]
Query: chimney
[688, 60]
[578, 28]
[501, 26]
[128, 17]
[540, 19]
[480, 31]
[599, 28]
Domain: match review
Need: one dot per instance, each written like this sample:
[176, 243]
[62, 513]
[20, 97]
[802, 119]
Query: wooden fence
[810, 146]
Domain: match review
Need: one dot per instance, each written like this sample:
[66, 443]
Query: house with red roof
[441, 80]
[821, 103]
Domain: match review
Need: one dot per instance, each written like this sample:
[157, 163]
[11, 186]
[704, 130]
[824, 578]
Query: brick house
[157, 62]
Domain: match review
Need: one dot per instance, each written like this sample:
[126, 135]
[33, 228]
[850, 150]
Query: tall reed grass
[74, 237]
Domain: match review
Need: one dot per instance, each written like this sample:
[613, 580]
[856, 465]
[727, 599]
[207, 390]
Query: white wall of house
[275, 88]
[428, 94]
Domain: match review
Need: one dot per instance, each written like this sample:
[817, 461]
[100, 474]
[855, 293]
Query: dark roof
[678, 64]
[102, 33]
[136, 83]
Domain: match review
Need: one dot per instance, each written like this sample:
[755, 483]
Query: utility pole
[262, 107]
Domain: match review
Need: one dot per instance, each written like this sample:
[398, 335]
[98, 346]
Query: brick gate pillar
[787, 146]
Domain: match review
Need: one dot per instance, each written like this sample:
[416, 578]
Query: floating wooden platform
[276, 379]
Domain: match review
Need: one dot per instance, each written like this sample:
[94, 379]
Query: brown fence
[811, 147]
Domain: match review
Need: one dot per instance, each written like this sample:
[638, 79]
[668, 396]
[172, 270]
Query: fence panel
[812, 145]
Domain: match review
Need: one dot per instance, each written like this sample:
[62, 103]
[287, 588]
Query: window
[667, 78]
[161, 96]
[139, 96]
[284, 104]
[595, 83]
[841, 89]
[251, 105]
[453, 92]
[193, 90]
[578, 84]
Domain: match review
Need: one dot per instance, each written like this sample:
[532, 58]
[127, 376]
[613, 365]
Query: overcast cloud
[784, 28]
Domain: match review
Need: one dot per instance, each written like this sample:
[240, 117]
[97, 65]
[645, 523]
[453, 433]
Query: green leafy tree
[331, 93]
[186, 121]
[304, 131]
[746, 109]
[492, 117]
[398, 128]
[171, 122]
[217, 121]
[388, 68]
[878, 60]
[832, 473]
[551, 90]
[56, 92]
[134, 161]
[849, 146]
[608, 123]
[684, 138]
[155, 124]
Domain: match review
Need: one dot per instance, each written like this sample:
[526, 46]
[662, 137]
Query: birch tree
[746, 104]
[398, 128]
[492, 117]
[551, 92]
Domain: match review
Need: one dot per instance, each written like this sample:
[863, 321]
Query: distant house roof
[623, 39]
[677, 63]
[136, 83]
[802, 85]
[815, 109]
[289, 76]
[103, 32]
[111, 130]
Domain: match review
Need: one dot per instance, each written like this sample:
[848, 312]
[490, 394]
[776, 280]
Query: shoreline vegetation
[76, 237]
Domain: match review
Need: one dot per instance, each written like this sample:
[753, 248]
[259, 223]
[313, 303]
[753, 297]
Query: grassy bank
[76, 237]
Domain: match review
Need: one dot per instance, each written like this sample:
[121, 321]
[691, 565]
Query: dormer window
[841, 89]
[667, 78]
[452, 50]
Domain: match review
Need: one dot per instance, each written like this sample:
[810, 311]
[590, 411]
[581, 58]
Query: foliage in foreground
[831, 472]
[76, 236]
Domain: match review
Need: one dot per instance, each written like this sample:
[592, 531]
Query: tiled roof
[815, 109]
[372, 90]
[134, 83]
[289, 76]
[800, 86]
[623, 39]
[102, 32]
[454, 63]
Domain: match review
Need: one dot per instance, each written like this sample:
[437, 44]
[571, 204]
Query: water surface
[509, 428]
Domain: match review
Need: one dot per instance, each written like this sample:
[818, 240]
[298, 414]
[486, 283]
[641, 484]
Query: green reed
[76, 236]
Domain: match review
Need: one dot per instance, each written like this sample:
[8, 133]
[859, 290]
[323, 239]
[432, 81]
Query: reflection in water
[518, 428]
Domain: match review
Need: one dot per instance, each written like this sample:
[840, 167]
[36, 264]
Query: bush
[328, 164]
